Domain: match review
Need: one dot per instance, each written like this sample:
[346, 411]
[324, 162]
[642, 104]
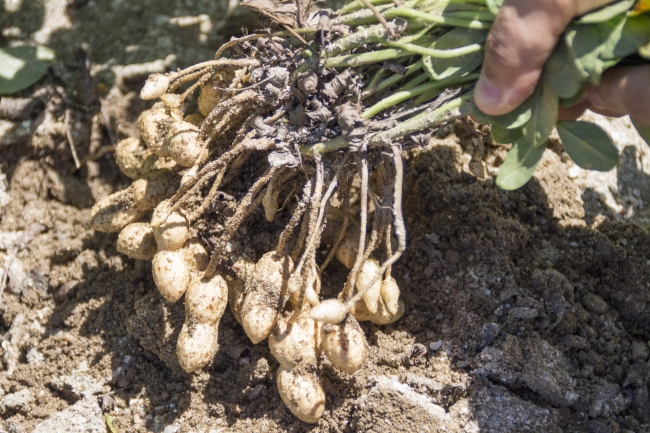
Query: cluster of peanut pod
[273, 298]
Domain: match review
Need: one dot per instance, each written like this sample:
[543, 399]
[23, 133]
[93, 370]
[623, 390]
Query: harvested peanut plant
[321, 111]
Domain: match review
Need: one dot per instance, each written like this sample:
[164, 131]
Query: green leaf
[588, 145]
[517, 117]
[625, 35]
[519, 165]
[544, 116]
[494, 5]
[560, 75]
[109, 422]
[441, 69]
[644, 131]
[607, 12]
[568, 102]
[644, 51]
[505, 136]
[20, 67]
[584, 42]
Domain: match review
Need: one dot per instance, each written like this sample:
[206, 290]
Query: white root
[302, 392]
[137, 241]
[171, 274]
[344, 345]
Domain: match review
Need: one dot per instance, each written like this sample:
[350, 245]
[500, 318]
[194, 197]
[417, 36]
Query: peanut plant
[326, 104]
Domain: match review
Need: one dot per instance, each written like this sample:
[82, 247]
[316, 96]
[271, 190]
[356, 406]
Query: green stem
[393, 79]
[356, 5]
[414, 82]
[470, 15]
[354, 60]
[405, 12]
[453, 109]
[432, 52]
[398, 97]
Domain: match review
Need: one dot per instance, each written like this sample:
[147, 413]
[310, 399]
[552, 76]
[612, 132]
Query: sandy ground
[526, 310]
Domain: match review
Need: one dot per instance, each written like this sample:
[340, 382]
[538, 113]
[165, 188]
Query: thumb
[522, 38]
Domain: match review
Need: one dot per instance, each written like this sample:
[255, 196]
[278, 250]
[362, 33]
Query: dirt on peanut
[525, 310]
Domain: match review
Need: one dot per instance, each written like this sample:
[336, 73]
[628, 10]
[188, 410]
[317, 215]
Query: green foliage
[590, 45]
[443, 45]
[519, 165]
[588, 145]
[20, 67]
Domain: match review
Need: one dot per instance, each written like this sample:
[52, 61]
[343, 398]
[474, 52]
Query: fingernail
[487, 96]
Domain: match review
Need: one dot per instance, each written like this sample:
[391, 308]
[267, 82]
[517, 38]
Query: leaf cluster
[591, 44]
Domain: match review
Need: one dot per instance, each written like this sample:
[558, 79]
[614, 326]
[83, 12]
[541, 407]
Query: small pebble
[595, 303]
[436, 345]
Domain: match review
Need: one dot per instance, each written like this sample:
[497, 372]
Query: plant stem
[398, 97]
[354, 60]
[393, 79]
[406, 12]
[453, 109]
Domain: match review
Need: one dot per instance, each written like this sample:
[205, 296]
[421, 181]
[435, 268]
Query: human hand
[522, 38]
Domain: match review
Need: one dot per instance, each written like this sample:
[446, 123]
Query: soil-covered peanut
[311, 290]
[114, 212]
[171, 274]
[196, 345]
[173, 233]
[383, 315]
[155, 86]
[196, 256]
[294, 344]
[390, 294]
[133, 158]
[182, 143]
[369, 281]
[347, 251]
[260, 309]
[211, 93]
[205, 301]
[301, 391]
[154, 125]
[237, 286]
[137, 241]
[344, 345]
[329, 311]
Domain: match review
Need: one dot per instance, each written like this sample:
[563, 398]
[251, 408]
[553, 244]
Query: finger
[522, 38]
[623, 90]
